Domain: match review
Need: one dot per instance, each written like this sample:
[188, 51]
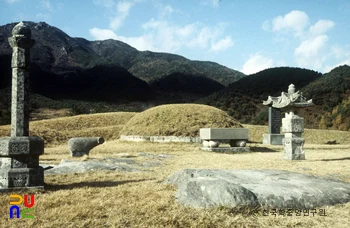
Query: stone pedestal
[293, 143]
[19, 162]
[273, 139]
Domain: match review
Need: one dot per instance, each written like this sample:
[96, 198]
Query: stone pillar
[19, 154]
[293, 143]
[273, 137]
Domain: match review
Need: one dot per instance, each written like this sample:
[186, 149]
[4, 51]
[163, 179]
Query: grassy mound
[178, 120]
[60, 130]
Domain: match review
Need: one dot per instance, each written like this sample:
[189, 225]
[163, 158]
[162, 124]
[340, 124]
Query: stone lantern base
[293, 148]
[19, 162]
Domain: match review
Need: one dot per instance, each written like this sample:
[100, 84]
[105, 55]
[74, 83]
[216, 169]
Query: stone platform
[227, 150]
[273, 139]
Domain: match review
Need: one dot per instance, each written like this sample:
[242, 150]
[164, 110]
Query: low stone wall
[163, 139]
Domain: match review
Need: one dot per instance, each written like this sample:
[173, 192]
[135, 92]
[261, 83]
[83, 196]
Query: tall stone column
[293, 143]
[19, 154]
[21, 43]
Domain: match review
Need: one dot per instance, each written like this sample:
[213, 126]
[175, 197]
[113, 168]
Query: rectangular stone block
[14, 146]
[19, 162]
[295, 124]
[21, 177]
[273, 139]
[224, 133]
[293, 148]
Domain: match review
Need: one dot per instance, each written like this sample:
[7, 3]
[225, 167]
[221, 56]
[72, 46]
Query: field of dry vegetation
[140, 199]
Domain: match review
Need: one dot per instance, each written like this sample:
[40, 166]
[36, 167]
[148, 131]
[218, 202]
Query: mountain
[243, 99]
[63, 67]
[331, 96]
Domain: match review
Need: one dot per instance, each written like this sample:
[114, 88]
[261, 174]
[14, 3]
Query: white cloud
[321, 27]
[102, 34]
[166, 11]
[160, 36]
[309, 53]
[328, 68]
[46, 4]
[141, 43]
[222, 44]
[123, 9]
[256, 63]
[295, 20]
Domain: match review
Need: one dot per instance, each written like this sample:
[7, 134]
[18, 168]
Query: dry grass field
[139, 199]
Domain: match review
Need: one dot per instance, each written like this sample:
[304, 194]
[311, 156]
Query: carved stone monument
[19, 154]
[274, 136]
[292, 125]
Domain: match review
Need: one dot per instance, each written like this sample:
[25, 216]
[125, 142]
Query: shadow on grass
[91, 184]
[335, 159]
[262, 149]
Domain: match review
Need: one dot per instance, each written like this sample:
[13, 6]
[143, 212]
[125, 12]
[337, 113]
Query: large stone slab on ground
[227, 150]
[204, 188]
[145, 161]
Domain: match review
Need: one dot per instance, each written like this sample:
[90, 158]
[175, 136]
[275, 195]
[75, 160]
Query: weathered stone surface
[109, 163]
[211, 143]
[81, 146]
[217, 134]
[19, 154]
[84, 166]
[238, 143]
[292, 123]
[29, 145]
[22, 177]
[161, 139]
[273, 139]
[267, 188]
[293, 143]
[227, 150]
[274, 126]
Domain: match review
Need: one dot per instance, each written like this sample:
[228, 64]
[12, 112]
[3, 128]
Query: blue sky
[248, 36]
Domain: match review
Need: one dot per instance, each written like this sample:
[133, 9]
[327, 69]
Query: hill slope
[243, 99]
[331, 96]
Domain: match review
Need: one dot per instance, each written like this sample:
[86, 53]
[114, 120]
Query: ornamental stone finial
[21, 30]
[291, 89]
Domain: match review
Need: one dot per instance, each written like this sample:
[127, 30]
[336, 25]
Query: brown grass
[177, 120]
[312, 136]
[117, 199]
[60, 130]
[139, 199]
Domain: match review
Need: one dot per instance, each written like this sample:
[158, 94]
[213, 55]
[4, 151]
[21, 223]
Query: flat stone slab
[107, 163]
[223, 133]
[268, 189]
[227, 150]
[84, 166]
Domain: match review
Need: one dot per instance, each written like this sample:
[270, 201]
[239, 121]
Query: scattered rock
[270, 189]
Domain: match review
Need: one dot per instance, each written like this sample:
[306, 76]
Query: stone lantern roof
[291, 98]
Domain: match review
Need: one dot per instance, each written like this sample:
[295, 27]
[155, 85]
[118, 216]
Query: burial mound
[178, 120]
